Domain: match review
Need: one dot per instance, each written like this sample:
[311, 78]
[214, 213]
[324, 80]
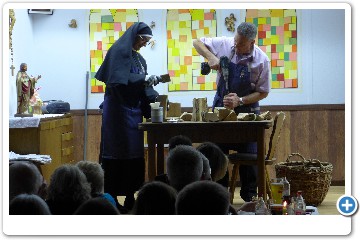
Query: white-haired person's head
[68, 189]
[94, 175]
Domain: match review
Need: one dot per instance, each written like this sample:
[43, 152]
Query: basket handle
[316, 161]
[293, 155]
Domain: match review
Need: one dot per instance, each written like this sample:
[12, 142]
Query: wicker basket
[311, 176]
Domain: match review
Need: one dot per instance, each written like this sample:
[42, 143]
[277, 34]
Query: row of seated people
[191, 186]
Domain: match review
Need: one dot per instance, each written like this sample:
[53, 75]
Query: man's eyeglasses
[147, 41]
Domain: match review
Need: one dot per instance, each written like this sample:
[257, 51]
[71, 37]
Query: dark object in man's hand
[205, 68]
[165, 78]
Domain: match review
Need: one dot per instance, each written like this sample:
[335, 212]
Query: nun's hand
[152, 80]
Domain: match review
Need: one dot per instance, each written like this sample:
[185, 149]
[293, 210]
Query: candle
[285, 208]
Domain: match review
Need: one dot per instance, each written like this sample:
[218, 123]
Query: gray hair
[94, 175]
[68, 182]
[247, 30]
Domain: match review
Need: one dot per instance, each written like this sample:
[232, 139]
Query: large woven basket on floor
[311, 176]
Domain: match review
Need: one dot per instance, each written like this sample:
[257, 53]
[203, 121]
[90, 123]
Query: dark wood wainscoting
[314, 131]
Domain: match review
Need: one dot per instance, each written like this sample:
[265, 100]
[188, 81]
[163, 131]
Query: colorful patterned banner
[277, 36]
[106, 26]
[184, 25]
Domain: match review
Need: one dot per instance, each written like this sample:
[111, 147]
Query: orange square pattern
[98, 48]
[185, 73]
[281, 48]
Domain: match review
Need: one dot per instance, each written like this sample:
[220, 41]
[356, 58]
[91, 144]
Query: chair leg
[268, 186]
[234, 176]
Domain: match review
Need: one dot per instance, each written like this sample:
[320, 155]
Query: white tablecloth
[43, 159]
[25, 122]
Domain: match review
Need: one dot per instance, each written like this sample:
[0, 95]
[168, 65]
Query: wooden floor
[327, 207]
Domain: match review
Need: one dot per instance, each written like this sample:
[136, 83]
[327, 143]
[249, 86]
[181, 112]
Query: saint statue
[25, 86]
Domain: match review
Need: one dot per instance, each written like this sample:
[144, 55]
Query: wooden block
[174, 110]
[199, 108]
[231, 117]
[222, 112]
[163, 103]
[186, 116]
[210, 117]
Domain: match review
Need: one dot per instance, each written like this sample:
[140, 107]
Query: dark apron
[122, 143]
[120, 134]
[240, 83]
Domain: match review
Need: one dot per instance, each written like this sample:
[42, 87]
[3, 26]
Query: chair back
[275, 135]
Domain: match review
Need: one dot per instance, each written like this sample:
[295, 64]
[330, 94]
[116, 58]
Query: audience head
[24, 177]
[217, 159]
[203, 198]
[184, 165]
[97, 206]
[179, 140]
[155, 198]
[94, 175]
[68, 189]
[69, 182]
[206, 175]
[28, 204]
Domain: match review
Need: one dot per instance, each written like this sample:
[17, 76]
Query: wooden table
[159, 134]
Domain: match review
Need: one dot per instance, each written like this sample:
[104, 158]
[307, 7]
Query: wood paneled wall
[314, 131]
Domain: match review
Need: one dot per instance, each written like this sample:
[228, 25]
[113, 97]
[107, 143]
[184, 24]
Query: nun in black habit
[129, 91]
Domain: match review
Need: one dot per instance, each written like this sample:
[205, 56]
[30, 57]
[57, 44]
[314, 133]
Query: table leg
[160, 158]
[261, 163]
[151, 157]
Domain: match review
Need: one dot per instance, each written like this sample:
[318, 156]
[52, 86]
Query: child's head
[217, 159]
[179, 140]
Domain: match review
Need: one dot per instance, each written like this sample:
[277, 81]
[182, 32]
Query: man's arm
[206, 53]
[232, 100]
[253, 97]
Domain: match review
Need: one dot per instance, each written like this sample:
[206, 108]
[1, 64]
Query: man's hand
[214, 63]
[205, 52]
[231, 101]
[152, 80]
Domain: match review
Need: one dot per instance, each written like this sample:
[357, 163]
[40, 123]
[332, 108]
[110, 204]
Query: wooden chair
[238, 159]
